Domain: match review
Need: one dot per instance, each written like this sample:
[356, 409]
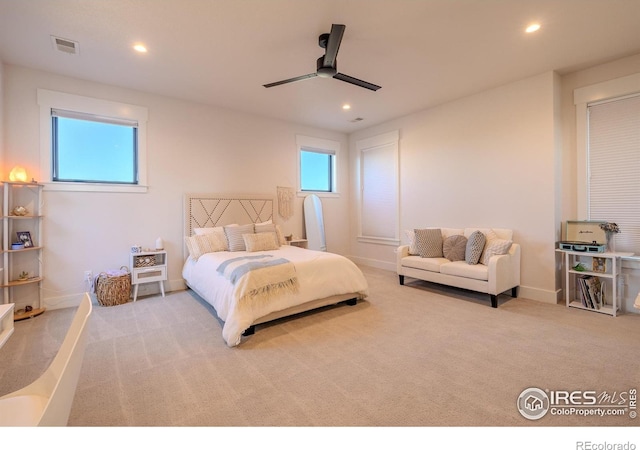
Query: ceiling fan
[327, 65]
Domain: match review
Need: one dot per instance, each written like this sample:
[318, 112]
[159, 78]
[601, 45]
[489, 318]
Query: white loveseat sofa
[499, 272]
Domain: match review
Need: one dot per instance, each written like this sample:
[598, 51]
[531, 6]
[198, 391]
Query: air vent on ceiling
[65, 45]
[357, 119]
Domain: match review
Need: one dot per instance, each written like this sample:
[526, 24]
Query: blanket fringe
[265, 293]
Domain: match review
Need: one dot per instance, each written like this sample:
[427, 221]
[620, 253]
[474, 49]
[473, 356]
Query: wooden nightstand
[302, 243]
[148, 267]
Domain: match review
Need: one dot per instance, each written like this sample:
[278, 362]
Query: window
[608, 142]
[317, 161]
[93, 149]
[89, 144]
[379, 191]
[316, 171]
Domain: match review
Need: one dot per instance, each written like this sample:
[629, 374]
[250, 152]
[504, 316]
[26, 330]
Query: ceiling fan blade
[335, 38]
[291, 80]
[357, 82]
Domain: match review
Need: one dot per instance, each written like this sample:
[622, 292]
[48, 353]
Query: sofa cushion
[454, 247]
[462, 269]
[475, 245]
[429, 264]
[429, 242]
[495, 247]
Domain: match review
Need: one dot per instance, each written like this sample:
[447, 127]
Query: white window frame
[48, 100]
[319, 145]
[389, 140]
[582, 97]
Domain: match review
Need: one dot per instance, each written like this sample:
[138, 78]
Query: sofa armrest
[401, 252]
[504, 271]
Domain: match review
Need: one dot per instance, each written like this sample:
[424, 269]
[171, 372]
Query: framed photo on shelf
[25, 238]
[599, 265]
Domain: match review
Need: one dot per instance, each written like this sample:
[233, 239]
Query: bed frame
[214, 210]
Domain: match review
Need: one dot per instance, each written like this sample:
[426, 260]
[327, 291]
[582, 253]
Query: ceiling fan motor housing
[328, 71]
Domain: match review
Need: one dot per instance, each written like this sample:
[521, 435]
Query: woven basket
[113, 287]
[144, 261]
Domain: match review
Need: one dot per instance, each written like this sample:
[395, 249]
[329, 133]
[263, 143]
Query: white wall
[487, 160]
[191, 148]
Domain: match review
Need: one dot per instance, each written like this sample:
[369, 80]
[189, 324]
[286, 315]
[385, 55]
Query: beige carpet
[413, 355]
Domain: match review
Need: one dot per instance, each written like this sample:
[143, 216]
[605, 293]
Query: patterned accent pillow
[429, 243]
[475, 245]
[270, 228]
[411, 235]
[234, 236]
[495, 247]
[219, 231]
[198, 245]
[260, 241]
[454, 248]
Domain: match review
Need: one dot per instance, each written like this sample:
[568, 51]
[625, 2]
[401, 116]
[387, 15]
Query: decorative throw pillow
[429, 243]
[454, 248]
[270, 228]
[260, 242]
[234, 236]
[411, 235]
[495, 247]
[475, 245]
[218, 231]
[198, 245]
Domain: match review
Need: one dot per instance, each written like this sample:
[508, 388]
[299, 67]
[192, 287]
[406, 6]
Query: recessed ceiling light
[140, 48]
[346, 106]
[532, 28]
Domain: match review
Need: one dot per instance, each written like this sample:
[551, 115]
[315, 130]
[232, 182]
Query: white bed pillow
[258, 242]
[234, 236]
[201, 244]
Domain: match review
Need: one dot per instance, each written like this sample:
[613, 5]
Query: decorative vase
[611, 242]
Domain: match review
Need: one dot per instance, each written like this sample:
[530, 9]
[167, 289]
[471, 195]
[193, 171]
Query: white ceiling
[221, 52]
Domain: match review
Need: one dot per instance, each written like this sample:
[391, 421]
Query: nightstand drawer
[149, 274]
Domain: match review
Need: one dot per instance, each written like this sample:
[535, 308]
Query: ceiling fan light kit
[326, 66]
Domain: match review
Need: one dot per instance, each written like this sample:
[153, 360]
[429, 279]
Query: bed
[253, 285]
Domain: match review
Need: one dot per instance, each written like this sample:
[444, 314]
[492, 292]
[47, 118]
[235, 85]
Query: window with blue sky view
[316, 171]
[94, 151]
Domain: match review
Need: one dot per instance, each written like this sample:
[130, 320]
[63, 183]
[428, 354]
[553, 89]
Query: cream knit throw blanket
[259, 278]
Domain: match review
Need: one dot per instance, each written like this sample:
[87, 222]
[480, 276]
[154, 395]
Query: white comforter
[320, 275]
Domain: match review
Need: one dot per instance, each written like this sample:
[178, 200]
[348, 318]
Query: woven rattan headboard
[214, 210]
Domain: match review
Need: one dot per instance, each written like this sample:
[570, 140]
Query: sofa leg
[514, 292]
[401, 279]
[494, 301]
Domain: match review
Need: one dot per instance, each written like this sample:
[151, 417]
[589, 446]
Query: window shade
[379, 188]
[93, 117]
[614, 168]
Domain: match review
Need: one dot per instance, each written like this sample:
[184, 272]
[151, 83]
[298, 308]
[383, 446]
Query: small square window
[317, 165]
[93, 151]
[316, 171]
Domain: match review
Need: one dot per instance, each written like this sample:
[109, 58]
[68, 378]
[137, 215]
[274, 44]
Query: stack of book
[590, 291]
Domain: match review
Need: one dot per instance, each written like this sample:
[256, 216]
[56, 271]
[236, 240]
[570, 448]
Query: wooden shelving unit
[28, 259]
